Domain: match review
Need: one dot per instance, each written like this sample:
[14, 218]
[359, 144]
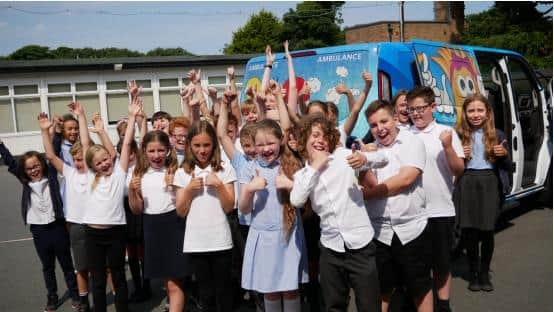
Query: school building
[446, 26]
[30, 87]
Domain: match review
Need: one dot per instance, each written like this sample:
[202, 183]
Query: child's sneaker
[51, 303]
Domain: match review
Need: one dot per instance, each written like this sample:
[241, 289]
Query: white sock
[291, 305]
[272, 305]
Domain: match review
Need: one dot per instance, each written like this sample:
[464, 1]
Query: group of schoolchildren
[272, 183]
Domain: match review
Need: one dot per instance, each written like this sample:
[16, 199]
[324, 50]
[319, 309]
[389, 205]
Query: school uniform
[272, 263]
[106, 235]
[347, 253]
[400, 221]
[41, 208]
[207, 240]
[438, 183]
[76, 195]
[164, 230]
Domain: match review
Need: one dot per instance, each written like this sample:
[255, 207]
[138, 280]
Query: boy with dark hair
[396, 207]
[444, 162]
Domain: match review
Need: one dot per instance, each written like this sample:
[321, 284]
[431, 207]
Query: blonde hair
[89, 155]
[465, 130]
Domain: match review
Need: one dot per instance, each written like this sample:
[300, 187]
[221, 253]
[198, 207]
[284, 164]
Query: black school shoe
[51, 303]
[474, 282]
[485, 281]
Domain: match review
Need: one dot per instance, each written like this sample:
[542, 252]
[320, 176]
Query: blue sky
[200, 27]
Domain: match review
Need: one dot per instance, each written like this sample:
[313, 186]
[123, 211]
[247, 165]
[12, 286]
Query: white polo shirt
[338, 200]
[77, 193]
[41, 209]
[105, 206]
[207, 228]
[403, 213]
[156, 196]
[438, 180]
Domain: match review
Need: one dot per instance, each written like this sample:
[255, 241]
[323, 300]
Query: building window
[170, 99]
[26, 112]
[6, 116]
[61, 94]
[117, 99]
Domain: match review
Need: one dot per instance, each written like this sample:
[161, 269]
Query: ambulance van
[453, 72]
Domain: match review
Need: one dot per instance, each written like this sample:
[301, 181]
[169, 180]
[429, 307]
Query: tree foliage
[310, 25]
[260, 30]
[517, 26]
[36, 52]
[313, 25]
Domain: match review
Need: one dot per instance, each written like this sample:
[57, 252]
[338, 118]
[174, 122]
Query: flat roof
[394, 22]
[50, 65]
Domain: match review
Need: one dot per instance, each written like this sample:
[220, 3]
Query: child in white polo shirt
[445, 160]
[396, 207]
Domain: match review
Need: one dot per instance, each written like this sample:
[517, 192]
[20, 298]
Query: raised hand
[212, 92]
[356, 160]
[186, 91]
[320, 159]
[467, 152]
[258, 183]
[98, 124]
[229, 96]
[367, 77]
[269, 57]
[194, 102]
[274, 87]
[133, 88]
[231, 72]
[76, 108]
[194, 76]
[250, 92]
[58, 122]
[136, 106]
[305, 90]
[43, 122]
[500, 149]
[260, 99]
[446, 138]
[287, 53]
[282, 182]
[341, 88]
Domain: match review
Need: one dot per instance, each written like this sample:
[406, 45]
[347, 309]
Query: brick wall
[378, 32]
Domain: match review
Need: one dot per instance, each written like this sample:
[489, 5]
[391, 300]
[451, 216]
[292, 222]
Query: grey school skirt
[477, 199]
[163, 246]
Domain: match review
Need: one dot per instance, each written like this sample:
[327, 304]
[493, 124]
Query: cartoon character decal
[453, 75]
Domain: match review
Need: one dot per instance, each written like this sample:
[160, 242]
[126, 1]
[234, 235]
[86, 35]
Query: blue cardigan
[53, 184]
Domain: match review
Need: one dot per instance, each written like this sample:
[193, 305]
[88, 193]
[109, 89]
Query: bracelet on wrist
[268, 65]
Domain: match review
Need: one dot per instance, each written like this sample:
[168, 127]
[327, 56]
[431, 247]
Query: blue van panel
[323, 70]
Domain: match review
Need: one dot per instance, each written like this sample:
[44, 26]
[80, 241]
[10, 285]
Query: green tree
[517, 26]
[260, 30]
[169, 52]
[31, 52]
[313, 24]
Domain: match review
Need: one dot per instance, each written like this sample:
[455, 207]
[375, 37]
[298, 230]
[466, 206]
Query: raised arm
[357, 107]
[98, 128]
[223, 122]
[45, 126]
[293, 93]
[259, 101]
[235, 108]
[134, 109]
[269, 59]
[186, 93]
[9, 160]
[77, 109]
[301, 102]
[284, 119]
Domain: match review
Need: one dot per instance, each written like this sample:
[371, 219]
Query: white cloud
[315, 84]
[342, 71]
[355, 92]
[332, 96]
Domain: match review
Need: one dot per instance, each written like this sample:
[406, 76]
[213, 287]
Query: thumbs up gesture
[258, 183]
[196, 184]
[500, 149]
[319, 159]
[212, 180]
[446, 138]
[356, 160]
[282, 182]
